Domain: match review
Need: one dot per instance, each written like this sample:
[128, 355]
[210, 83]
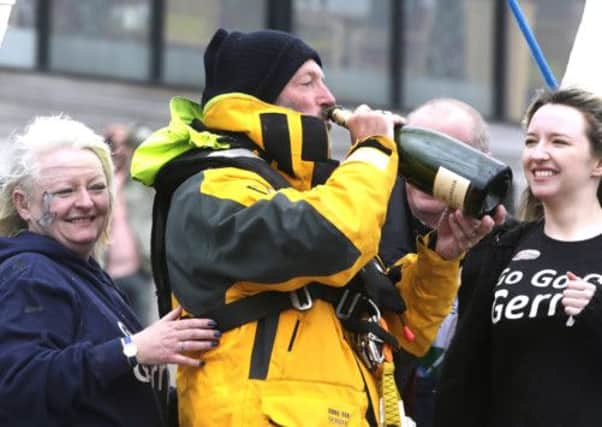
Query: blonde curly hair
[20, 167]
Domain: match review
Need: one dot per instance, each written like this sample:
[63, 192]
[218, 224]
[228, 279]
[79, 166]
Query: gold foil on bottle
[339, 115]
[450, 187]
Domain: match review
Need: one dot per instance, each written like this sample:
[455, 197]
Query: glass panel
[19, 46]
[190, 25]
[101, 37]
[352, 38]
[555, 24]
[448, 51]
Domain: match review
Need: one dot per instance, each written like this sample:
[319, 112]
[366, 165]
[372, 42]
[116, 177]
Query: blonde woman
[73, 353]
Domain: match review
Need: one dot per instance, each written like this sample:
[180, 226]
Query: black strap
[264, 304]
[381, 289]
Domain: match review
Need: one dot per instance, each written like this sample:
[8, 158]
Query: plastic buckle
[301, 299]
[345, 308]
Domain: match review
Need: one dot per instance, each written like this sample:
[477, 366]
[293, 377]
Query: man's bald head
[454, 118]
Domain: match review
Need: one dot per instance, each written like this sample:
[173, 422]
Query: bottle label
[450, 187]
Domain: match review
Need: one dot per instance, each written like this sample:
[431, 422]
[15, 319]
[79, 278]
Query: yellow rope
[390, 396]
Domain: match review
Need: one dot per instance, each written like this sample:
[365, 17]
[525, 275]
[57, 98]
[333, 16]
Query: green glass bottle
[446, 168]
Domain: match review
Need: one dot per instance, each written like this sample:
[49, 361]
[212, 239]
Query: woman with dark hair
[528, 351]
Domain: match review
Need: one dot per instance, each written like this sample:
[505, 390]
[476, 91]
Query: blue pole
[536, 51]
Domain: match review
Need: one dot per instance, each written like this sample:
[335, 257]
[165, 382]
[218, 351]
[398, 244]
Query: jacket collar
[293, 143]
[296, 145]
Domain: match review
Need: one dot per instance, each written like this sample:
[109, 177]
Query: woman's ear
[597, 171]
[21, 203]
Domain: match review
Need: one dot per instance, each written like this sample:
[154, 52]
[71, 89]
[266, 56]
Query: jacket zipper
[292, 341]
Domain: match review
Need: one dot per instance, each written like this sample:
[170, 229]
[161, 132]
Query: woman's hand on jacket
[172, 340]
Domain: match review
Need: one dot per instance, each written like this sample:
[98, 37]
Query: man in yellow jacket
[266, 234]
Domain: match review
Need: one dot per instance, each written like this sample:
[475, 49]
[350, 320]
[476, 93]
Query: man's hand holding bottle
[457, 233]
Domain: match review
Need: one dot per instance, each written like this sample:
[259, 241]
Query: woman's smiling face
[557, 159]
[68, 200]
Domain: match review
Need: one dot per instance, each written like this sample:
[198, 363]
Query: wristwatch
[129, 350]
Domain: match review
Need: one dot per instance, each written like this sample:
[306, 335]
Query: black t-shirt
[545, 373]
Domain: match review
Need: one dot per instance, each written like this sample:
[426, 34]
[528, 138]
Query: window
[555, 24]
[19, 46]
[352, 38]
[188, 29]
[101, 37]
[448, 51]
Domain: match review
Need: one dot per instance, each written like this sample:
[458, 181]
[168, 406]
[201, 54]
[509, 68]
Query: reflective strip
[233, 153]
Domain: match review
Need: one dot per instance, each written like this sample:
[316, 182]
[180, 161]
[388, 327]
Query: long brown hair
[587, 104]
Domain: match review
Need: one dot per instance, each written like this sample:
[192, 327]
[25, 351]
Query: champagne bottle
[446, 168]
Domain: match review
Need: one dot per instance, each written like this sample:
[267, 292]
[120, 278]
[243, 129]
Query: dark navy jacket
[61, 361]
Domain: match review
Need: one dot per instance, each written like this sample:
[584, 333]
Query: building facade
[388, 53]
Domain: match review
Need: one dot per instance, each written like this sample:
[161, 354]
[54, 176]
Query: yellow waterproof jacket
[231, 235]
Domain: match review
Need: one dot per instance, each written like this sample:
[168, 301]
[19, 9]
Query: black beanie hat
[259, 63]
